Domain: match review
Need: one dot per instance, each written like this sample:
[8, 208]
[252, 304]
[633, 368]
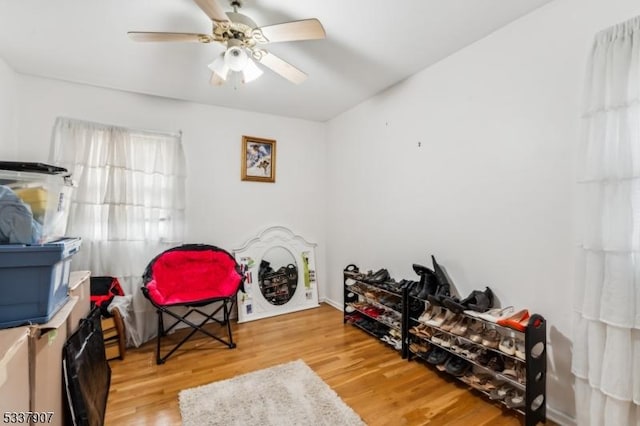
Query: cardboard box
[45, 364]
[14, 370]
[80, 287]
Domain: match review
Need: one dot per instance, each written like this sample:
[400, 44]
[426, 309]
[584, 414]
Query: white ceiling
[370, 45]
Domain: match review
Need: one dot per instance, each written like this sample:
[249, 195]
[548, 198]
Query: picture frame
[258, 159]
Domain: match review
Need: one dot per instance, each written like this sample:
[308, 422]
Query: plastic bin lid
[20, 166]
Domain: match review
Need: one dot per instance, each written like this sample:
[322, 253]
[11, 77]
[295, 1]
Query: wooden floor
[370, 376]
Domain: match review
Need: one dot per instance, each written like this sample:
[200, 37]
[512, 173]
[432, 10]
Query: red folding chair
[192, 276]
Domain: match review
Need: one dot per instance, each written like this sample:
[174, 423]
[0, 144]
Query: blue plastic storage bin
[34, 281]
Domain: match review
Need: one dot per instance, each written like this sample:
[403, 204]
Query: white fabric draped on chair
[128, 205]
[606, 350]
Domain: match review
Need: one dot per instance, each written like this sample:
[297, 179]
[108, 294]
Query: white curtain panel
[128, 205]
[606, 349]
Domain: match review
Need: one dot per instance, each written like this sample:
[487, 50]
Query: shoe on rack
[440, 294]
[475, 330]
[428, 281]
[485, 382]
[437, 338]
[484, 356]
[416, 289]
[443, 289]
[517, 321]
[479, 301]
[428, 313]
[446, 341]
[492, 315]
[515, 371]
[496, 363]
[451, 322]
[507, 345]
[437, 356]
[501, 392]
[438, 319]
[514, 400]
[520, 351]
[430, 287]
[491, 338]
[404, 283]
[473, 352]
[426, 332]
[460, 328]
[378, 277]
[457, 366]
[510, 370]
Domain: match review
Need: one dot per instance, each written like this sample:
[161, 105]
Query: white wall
[221, 209]
[490, 191]
[7, 112]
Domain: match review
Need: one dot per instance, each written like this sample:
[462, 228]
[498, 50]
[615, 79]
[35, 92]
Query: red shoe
[517, 321]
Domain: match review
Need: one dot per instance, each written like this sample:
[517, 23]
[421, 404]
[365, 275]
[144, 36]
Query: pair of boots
[433, 285]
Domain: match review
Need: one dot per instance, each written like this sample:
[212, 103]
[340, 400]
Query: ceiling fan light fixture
[219, 67]
[236, 58]
[251, 71]
[216, 80]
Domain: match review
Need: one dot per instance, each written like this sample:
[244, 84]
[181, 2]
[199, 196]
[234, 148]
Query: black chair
[192, 276]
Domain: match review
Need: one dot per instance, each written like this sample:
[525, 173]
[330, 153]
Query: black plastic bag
[87, 375]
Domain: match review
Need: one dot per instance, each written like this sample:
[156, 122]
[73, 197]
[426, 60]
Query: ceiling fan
[244, 42]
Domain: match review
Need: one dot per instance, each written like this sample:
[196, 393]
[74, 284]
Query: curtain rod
[95, 123]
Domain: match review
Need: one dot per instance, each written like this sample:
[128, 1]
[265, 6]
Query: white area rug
[287, 394]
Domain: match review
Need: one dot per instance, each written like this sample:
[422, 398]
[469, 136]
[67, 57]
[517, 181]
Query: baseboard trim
[332, 303]
[559, 417]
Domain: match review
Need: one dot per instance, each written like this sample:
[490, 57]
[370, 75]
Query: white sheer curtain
[606, 351]
[128, 205]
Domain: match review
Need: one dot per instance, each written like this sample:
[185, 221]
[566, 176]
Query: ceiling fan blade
[162, 36]
[283, 68]
[213, 10]
[307, 29]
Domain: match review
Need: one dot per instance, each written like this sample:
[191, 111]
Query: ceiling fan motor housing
[239, 27]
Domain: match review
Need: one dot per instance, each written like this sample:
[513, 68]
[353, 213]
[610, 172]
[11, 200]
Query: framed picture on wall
[258, 159]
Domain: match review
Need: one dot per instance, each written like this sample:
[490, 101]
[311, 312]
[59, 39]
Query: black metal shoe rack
[375, 309]
[534, 365]
[368, 307]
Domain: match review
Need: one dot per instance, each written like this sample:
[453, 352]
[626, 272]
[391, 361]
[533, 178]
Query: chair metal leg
[158, 359]
[226, 311]
[226, 319]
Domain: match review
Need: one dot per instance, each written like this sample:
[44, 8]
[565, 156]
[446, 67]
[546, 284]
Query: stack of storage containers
[35, 255]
